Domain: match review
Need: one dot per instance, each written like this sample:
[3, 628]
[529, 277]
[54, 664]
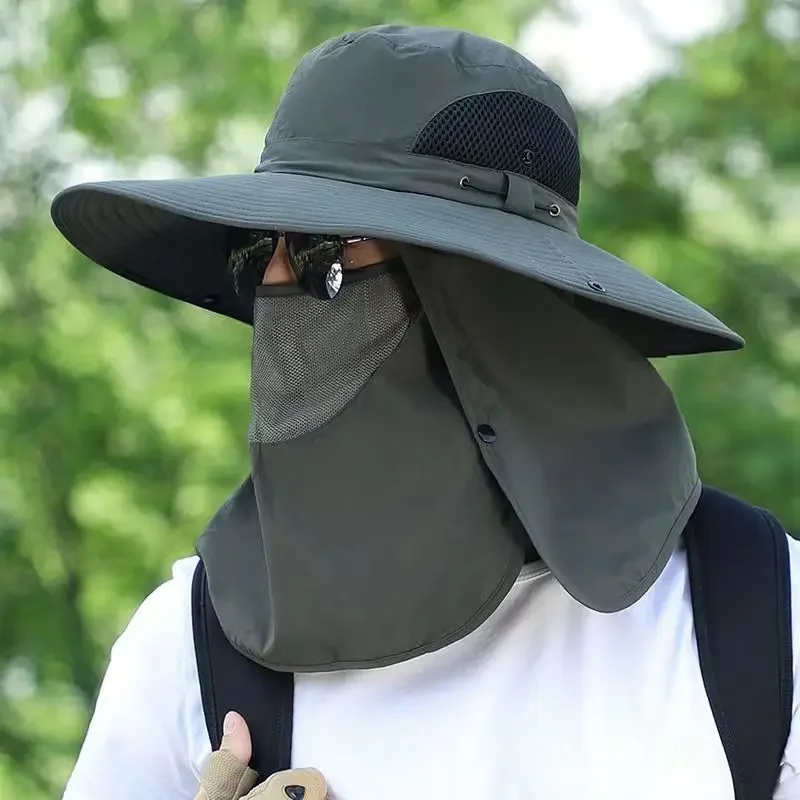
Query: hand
[227, 777]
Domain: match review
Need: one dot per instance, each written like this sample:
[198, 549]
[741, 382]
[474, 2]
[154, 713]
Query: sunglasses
[317, 260]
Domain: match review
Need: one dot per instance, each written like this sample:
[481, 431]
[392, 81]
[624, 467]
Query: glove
[294, 784]
[226, 775]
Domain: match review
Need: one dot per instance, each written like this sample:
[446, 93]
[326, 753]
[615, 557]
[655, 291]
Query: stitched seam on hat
[563, 256]
[666, 315]
[543, 80]
[423, 46]
[329, 141]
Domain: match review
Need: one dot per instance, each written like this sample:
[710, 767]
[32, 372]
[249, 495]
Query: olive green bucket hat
[431, 137]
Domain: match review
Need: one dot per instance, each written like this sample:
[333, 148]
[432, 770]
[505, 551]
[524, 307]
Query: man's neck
[531, 554]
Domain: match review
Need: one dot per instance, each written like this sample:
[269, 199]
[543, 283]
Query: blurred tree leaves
[695, 179]
[123, 415]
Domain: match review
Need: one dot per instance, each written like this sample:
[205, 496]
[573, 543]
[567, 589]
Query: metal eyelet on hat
[595, 286]
[486, 433]
[555, 210]
[464, 183]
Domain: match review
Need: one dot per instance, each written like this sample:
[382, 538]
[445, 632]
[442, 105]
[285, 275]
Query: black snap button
[295, 792]
[486, 433]
[596, 287]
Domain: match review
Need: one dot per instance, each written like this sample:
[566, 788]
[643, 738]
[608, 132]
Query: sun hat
[466, 154]
[427, 136]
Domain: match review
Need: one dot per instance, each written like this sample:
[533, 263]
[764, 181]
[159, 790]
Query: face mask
[311, 357]
[394, 522]
[370, 530]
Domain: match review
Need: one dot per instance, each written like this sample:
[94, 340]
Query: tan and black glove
[226, 775]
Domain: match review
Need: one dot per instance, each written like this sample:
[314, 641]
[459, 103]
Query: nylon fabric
[501, 405]
[375, 538]
[588, 441]
[311, 357]
[368, 139]
[381, 167]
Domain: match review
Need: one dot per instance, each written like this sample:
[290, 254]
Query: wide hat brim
[170, 236]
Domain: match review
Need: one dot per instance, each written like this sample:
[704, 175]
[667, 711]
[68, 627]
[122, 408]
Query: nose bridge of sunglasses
[317, 262]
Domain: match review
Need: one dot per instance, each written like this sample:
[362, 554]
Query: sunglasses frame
[316, 260]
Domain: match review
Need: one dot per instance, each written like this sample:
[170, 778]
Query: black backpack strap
[738, 561]
[230, 681]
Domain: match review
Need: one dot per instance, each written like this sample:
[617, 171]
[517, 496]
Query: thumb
[236, 737]
[226, 775]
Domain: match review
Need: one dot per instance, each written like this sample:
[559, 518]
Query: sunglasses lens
[317, 263]
[249, 254]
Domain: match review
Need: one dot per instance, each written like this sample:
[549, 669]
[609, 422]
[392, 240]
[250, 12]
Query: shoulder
[164, 617]
[155, 652]
[148, 722]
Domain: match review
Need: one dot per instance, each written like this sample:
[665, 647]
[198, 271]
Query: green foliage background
[123, 416]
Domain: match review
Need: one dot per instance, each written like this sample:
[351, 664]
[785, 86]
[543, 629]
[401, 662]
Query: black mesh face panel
[507, 131]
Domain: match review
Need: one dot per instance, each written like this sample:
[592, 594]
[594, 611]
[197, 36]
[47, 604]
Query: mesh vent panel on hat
[507, 131]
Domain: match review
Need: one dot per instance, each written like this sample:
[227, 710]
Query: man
[469, 526]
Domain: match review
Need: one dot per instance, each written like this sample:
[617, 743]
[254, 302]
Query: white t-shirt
[547, 699]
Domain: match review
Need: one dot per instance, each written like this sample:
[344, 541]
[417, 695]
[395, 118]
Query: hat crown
[433, 92]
